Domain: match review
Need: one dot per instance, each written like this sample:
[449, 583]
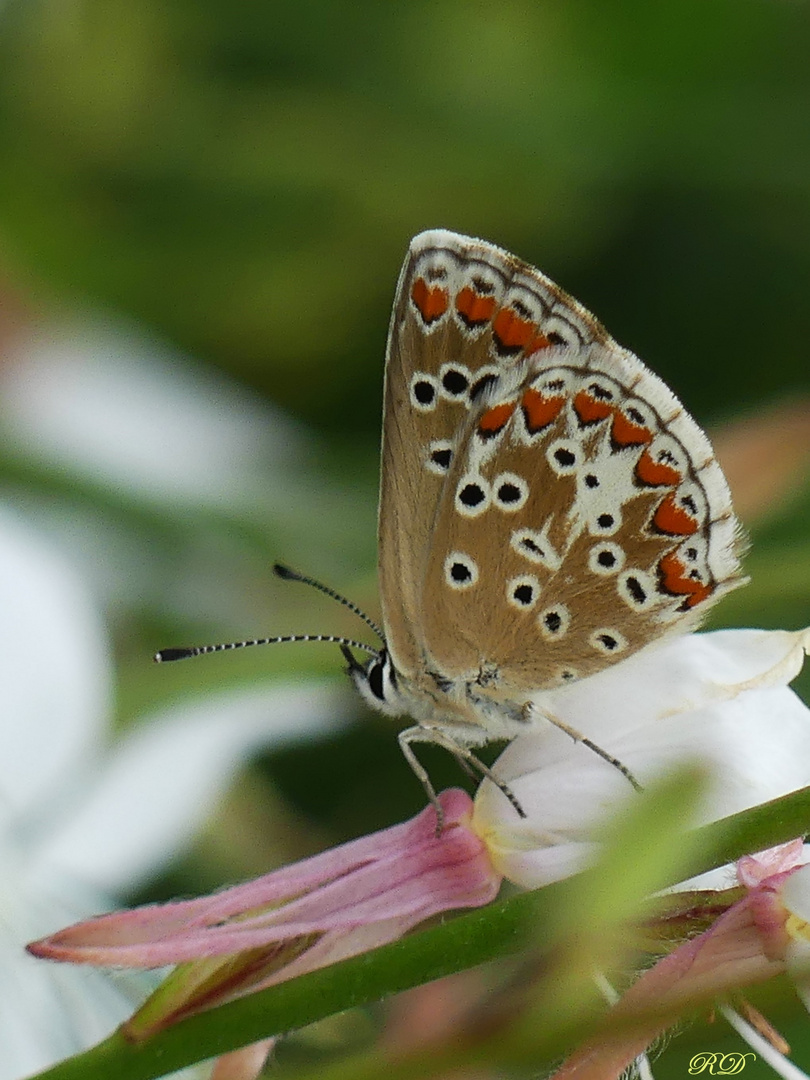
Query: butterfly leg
[405, 738]
[577, 736]
[463, 755]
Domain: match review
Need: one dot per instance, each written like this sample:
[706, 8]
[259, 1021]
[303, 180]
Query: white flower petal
[162, 780]
[55, 678]
[795, 895]
[110, 403]
[755, 743]
[536, 864]
[48, 1012]
[678, 675]
[48, 1015]
[797, 958]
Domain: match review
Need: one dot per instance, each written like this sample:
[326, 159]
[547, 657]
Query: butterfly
[547, 506]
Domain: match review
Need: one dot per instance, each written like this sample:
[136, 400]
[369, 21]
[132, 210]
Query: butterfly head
[376, 681]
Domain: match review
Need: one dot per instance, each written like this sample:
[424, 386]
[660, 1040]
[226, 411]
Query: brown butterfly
[547, 506]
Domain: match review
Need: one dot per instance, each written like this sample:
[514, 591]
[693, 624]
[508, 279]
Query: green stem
[462, 942]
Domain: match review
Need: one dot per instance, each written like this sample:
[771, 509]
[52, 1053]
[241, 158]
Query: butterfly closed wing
[547, 506]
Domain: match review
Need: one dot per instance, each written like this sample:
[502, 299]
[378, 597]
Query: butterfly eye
[375, 679]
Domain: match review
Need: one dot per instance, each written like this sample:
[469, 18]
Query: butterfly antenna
[292, 575]
[166, 655]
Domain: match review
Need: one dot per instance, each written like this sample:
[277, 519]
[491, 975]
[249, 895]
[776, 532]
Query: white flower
[139, 428]
[720, 698]
[110, 404]
[795, 897]
[81, 817]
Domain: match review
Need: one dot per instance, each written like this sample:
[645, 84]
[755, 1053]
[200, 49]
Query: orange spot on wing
[431, 301]
[495, 419]
[656, 473]
[512, 331]
[539, 342]
[473, 308]
[699, 595]
[539, 411]
[675, 580]
[627, 433]
[673, 519]
[590, 409]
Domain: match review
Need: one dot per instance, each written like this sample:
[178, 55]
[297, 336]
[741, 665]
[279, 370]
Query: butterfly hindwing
[584, 517]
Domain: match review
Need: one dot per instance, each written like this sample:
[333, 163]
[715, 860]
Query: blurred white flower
[109, 402]
[134, 439]
[82, 816]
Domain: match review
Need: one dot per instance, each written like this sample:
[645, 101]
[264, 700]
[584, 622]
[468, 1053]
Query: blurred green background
[240, 180]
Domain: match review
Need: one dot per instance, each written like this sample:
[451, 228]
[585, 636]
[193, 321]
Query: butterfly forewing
[547, 506]
[439, 361]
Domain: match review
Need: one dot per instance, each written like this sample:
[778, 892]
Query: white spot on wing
[637, 589]
[473, 495]
[608, 640]
[509, 492]
[418, 380]
[535, 546]
[438, 452]
[554, 621]
[460, 571]
[606, 559]
[522, 592]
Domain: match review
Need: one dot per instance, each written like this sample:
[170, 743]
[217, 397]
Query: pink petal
[244, 1064]
[727, 956]
[405, 873]
[752, 870]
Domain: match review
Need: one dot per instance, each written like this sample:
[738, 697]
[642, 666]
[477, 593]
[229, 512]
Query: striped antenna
[167, 655]
[292, 575]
